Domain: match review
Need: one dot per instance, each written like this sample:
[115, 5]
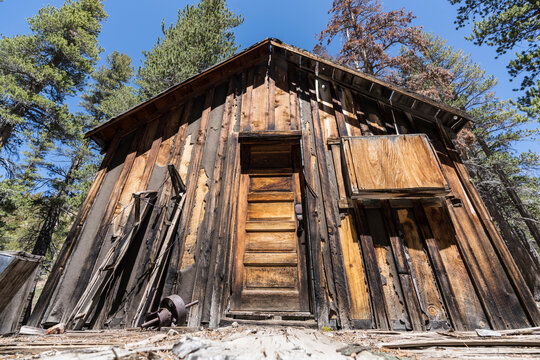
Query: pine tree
[38, 70]
[52, 191]
[464, 85]
[371, 39]
[201, 37]
[21, 196]
[109, 94]
[508, 25]
[369, 35]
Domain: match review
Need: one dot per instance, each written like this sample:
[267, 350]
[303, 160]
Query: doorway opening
[270, 278]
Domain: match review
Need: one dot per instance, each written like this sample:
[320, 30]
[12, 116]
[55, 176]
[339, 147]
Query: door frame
[292, 139]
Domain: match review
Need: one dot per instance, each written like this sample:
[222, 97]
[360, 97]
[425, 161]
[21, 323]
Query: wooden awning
[381, 167]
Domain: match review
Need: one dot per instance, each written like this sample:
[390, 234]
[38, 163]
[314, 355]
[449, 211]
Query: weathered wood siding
[19, 273]
[390, 264]
[392, 166]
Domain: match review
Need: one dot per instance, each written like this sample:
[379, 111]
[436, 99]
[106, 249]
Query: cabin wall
[392, 264]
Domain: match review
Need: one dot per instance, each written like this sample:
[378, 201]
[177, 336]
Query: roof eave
[94, 132]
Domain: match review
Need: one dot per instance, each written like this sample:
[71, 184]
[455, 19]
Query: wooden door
[269, 263]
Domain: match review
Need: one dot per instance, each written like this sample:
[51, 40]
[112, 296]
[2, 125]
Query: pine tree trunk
[44, 238]
[5, 132]
[509, 187]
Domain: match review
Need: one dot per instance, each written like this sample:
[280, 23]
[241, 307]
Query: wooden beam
[255, 137]
[176, 180]
[404, 272]
[331, 218]
[207, 234]
[321, 281]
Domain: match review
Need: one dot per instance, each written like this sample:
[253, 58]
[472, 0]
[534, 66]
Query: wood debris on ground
[266, 342]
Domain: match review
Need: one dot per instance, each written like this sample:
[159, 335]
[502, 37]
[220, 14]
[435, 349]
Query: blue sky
[135, 25]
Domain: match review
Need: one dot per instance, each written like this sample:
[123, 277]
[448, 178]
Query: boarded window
[392, 166]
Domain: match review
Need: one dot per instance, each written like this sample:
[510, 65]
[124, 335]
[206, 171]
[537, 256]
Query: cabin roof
[368, 85]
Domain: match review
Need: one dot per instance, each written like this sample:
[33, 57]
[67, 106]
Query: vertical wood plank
[247, 94]
[336, 155]
[259, 104]
[361, 114]
[170, 136]
[294, 100]
[458, 315]
[282, 108]
[354, 267]
[239, 246]
[349, 164]
[272, 104]
[224, 214]
[378, 298]
[330, 205]
[302, 268]
[405, 277]
[229, 230]
[207, 231]
[313, 204]
[338, 111]
[326, 110]
[353, 124]
[174, 275]
[463, 290]
[395, 301]
[421, 271]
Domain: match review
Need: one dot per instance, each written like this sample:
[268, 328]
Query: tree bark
[44, 238]
[509, 187]
[5, 132]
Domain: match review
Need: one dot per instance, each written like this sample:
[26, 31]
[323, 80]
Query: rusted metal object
[171, 309]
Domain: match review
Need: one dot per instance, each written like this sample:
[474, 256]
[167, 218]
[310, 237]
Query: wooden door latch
[299, 218]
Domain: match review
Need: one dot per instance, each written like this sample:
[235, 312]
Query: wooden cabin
[280, 186]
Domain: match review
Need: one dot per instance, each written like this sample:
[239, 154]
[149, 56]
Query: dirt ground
[268, 342]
